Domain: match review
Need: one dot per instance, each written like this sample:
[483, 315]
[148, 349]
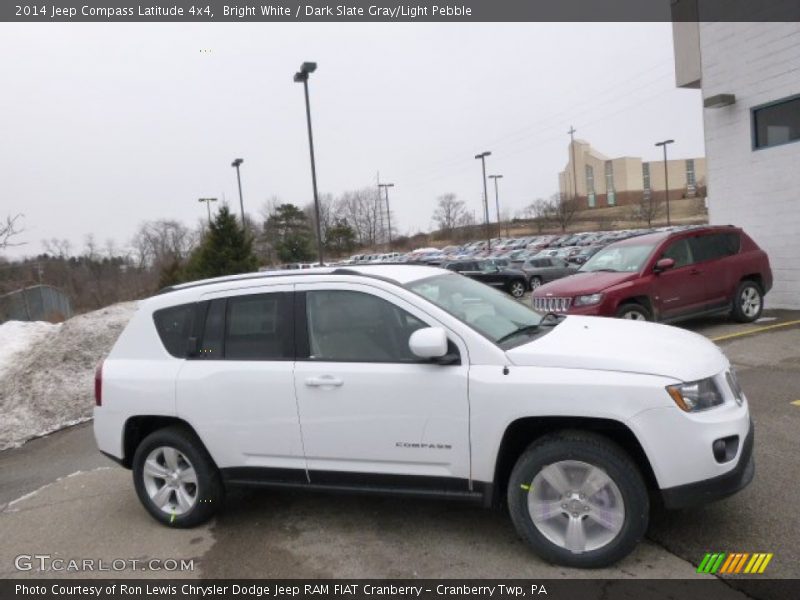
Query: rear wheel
[535, 282]
[176, 479]
[748, 302]
[634, 312]
[517, 288]
[578, 500]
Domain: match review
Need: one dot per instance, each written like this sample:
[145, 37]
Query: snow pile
[18, 336]
[47, 380]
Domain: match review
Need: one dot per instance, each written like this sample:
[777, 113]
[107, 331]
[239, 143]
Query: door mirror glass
[664, 264]
[429, 342]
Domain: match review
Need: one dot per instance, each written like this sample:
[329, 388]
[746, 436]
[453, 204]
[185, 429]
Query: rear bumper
[715, 488]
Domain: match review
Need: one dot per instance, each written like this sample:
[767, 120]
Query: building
[749, 74]
[603, 181]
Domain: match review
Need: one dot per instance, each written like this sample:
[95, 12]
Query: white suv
[418, 381]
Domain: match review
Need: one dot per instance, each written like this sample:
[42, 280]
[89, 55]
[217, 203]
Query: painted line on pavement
[756, 330]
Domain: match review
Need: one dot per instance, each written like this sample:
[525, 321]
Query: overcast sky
[103, 126]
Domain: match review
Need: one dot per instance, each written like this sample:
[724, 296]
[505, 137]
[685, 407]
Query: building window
[590, 197]
[646, 180]
[776, 123]
[611, 196]
[691, 181]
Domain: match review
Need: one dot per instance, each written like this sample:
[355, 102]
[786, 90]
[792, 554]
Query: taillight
[98, 385]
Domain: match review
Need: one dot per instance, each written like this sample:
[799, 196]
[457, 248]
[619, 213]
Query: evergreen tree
[225, 250]
[289, 232]
[340, 238]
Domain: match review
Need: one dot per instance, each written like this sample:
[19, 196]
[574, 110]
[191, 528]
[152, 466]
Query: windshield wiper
[516, 332]
[604, 270]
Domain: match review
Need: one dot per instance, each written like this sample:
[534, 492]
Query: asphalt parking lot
[59, 497]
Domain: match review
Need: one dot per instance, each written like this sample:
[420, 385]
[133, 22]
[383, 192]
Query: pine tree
[225, 250]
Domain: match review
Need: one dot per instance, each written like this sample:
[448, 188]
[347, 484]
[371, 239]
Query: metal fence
[35, 303]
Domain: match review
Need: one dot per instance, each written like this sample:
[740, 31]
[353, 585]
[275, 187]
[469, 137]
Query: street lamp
[497, 200]
[482, 156]
[386, 187]
[208, 202]
[666, 174]
[236, 163]
[302, 77]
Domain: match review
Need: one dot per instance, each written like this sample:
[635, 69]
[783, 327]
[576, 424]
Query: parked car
[546, 269]
[586, 252]
[412, 380]
[667, 276]
[512, 281]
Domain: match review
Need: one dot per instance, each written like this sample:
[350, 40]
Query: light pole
[666, 173]
[482, 156]
[236, 163]
[208, 202]
[302, 77]
[386, 187]
[497, 201]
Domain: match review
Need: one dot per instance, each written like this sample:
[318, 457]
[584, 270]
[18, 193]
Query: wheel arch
[521, 433]
[139, 427]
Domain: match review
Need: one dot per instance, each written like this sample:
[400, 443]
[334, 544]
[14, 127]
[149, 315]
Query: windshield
[623, 259]
[488, 311]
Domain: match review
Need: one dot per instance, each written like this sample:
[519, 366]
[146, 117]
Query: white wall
[758, 190]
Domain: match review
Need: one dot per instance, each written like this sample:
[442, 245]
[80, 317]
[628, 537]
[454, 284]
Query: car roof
[660, 236]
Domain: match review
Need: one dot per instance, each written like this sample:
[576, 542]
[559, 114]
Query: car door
[678, 290]
[237, 392]
[712, 252]
[370, 411]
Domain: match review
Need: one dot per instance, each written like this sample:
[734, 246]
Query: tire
[535, 282]
[622, 502]
[633, 311]
[748, 302]
[516, 288]
[198, 498]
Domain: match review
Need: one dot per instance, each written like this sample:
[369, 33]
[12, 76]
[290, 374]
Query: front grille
[550, 304]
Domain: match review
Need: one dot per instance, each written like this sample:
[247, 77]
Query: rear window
[174, 326]
[259, 327]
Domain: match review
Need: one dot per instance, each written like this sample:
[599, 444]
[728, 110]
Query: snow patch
[47, 380]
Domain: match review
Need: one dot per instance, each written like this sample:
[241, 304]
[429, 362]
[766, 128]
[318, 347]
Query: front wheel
[578, 500]
[176, 479]
[634, 312]
[517, 288]
[535, 282]
[748, 302]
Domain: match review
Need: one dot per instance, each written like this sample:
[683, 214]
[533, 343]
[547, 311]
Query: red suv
[667, 276]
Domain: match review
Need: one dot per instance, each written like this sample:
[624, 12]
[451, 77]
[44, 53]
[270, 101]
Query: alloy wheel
[634, 315]
[750, 302]
[517, 289]
[576, 505]
[170, 480]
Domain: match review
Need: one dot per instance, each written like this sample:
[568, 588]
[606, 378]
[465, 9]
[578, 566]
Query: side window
[259, 327]
[350, 326]
[174, 326]
[680, 252]
[715, 245]
[213, 331]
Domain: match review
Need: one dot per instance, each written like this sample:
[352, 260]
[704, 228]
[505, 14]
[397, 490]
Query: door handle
[324, 381]
[695, 272]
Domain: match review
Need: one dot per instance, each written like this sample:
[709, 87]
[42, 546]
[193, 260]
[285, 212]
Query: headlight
[588, 300]
[696, 395]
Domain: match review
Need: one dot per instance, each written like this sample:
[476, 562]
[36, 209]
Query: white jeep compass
[418, 381]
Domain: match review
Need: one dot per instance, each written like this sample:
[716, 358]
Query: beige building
[603, 181]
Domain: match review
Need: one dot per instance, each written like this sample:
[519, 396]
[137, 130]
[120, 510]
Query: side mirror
[430, 342]
[664, 264]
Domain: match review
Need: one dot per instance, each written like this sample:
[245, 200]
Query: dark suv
[667, 276]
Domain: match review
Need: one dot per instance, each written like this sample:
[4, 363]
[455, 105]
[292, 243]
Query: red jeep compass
[667, 276]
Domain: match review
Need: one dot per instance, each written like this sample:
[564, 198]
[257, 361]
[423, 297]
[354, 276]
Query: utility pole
[302, 77]
[236, 163]
[497, 202]
[208, 202]
[666, 173]
[386, 187]
[571, 133]
[482, 156]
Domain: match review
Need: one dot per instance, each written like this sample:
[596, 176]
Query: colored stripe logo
[734, 563]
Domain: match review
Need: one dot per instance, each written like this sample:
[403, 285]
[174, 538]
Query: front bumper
[715, 488]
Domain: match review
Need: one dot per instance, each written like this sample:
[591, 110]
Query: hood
[581, 283]
[621, 345]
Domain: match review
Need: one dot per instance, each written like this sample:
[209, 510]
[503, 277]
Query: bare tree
[61, 248]
[561, 210]
[450, 213]
[9, 229]
[160, 242]
[362, 210]
[648, 209]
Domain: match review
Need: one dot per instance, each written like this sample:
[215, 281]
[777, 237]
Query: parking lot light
[482, 156]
